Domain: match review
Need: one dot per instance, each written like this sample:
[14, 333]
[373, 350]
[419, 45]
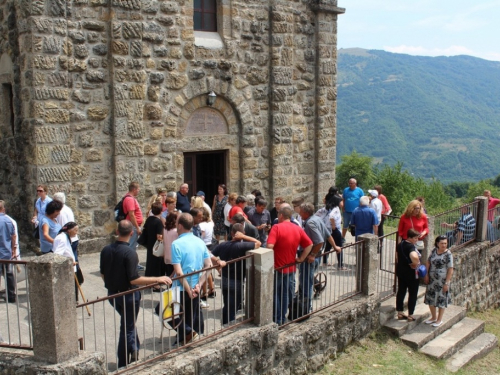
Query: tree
[477, 189]
[355, 166]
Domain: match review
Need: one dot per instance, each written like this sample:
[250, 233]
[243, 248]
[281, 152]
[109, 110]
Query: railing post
[260, 282]
[482, 219]
[369, 260]
[428, 240]
[53, 312]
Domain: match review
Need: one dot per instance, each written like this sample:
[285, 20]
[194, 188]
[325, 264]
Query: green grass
[381, 353]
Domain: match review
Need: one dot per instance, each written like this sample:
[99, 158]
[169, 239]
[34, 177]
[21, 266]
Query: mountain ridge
[440, 116]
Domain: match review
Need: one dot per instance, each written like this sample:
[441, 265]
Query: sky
[423, 27]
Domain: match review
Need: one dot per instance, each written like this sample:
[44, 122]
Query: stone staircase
[459, 339]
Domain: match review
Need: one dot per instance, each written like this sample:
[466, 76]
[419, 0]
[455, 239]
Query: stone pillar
[260, 281]
[482, 219]
[369, 259]
[53, 312]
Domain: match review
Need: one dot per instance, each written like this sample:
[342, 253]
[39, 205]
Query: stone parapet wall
[476, 277]
[299, 349]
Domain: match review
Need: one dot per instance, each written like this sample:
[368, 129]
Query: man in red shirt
[284, 238]
[492, 203]
[238, 207]
[133, 213]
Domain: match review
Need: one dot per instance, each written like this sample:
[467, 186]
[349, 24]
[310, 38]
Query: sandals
[211, 293]
[411, 318]
[402, 316]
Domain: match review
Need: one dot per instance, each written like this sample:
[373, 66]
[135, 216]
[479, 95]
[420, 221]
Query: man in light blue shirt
[189, 254]
[8, 251]
[350, 199]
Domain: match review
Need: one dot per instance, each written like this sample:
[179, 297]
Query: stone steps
[401, 327]
[388, 307]
[454, 339]
[423, 333]
[477, 348]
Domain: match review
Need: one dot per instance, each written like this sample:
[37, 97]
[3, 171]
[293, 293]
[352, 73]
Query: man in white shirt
[65, 216]
[375, 203]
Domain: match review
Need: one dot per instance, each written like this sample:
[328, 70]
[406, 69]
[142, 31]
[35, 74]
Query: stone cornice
[326, 6]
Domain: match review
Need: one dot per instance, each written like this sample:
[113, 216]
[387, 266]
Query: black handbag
[36, 233]
[79, 275]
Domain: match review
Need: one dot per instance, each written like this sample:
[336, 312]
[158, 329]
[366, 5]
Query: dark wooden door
[204, 171]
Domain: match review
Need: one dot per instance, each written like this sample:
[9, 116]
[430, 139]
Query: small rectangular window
[205, 15]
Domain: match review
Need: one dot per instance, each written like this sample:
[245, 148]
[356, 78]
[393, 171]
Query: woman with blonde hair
[156, 198]
[413, 218]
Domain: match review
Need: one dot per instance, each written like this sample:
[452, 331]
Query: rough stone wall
[108, 87]
[299, 349]
[15, 144]
[476, 277]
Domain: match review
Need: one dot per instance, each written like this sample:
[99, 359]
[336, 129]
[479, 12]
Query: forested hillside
[439, 116]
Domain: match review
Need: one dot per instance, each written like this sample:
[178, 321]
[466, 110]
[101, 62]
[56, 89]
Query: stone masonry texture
[98, 93]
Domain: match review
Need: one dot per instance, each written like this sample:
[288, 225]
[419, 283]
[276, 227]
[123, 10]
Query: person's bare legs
[344, 231]
[440, 315]
[432, 319]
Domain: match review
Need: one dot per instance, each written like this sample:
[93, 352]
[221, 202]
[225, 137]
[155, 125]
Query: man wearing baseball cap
[375, 203]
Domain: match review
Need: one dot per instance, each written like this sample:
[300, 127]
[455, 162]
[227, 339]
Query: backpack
[119, 213]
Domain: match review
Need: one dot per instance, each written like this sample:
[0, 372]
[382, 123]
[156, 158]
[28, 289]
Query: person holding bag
[152, 232]
[62, 246]
[413, 218]
[407, 262]
[438, 278]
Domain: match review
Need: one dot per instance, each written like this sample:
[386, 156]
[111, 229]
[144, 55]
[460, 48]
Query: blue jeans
[191, 318]
[306, 277]
[133, 240]
[128, 308]
[284, 289]
[232, 296]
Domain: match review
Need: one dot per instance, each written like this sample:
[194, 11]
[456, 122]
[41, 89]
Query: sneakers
[204, 304]
[140, 268]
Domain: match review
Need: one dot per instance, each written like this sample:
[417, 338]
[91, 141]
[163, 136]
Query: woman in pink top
[386, 209]
[413, 217]
[169, 236]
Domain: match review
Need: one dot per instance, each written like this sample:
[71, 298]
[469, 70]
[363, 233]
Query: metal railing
[493, 225]
[459, 225]
[386, 275]
[15, 324]
[297, 295]
[152, 336]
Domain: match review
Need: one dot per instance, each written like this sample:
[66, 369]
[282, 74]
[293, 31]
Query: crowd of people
[195, 236]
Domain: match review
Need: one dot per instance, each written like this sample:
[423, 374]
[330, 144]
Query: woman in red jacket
[413, 217]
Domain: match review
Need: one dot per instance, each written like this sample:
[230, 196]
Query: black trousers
[7, 274]
[408, 283]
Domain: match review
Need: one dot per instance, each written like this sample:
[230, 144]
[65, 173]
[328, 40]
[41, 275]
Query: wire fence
[15, 324]
[387, 265]
[303, 289]
[493, 225]
[458, 225]
[159, 320]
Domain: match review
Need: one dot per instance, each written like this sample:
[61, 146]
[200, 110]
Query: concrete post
[482, 219]
[260, 282]
[428, 240]
[369, 259]
[53, 312]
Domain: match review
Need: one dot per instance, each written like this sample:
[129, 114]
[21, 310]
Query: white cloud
[423, 51]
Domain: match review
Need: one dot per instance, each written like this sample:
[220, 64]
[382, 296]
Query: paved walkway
[99, 330]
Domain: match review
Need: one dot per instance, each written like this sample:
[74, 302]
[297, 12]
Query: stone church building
[97, 93]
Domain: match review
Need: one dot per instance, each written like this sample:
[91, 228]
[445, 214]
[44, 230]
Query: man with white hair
[183, 204]
[65, 216]
[364, 218]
